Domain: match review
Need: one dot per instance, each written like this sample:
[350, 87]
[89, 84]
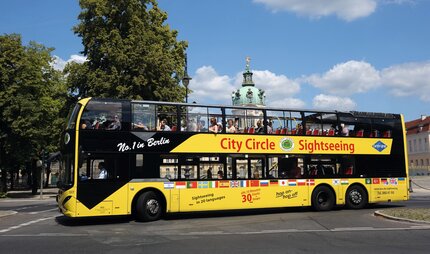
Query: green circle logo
[286, 144]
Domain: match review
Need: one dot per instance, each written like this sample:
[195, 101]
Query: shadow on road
[73, 222]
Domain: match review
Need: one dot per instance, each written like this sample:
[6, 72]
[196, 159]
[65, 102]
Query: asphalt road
[37, 227]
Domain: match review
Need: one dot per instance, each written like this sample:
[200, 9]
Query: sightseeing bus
[147, 158]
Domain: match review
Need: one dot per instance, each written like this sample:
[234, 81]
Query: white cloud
[209, 86]
[330, 102]
[59, 63]
[410, 79]
[288, 102]
[347, 78]
[344, 9]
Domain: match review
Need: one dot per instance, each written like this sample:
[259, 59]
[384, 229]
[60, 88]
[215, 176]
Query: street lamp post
[186, 79]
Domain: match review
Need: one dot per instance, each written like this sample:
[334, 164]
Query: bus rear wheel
[323, 198]
[356, 197]
[149, 207]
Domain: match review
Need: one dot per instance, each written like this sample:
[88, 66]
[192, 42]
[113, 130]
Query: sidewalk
[48, 194]
[20, 195]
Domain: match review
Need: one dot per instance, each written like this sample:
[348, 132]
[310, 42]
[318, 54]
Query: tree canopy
[31, 98]
[131, 52]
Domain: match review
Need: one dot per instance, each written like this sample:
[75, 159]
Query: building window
[415, 145]
[410, 146]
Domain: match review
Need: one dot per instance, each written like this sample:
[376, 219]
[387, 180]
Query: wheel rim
[152, 206]
[355, 197]
[322, 198]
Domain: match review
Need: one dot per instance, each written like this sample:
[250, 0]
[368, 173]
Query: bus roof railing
[252, 107]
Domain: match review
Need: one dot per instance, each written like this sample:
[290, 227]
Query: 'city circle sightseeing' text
[310, 146]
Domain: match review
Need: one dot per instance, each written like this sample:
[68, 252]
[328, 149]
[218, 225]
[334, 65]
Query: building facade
[417, 136]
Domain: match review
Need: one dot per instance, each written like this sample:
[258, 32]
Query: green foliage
[131, 52]
[31, 99]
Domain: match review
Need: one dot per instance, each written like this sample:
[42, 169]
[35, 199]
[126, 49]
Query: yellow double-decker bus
[145, 158]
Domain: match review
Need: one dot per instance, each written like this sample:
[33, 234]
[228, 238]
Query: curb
[386, 216]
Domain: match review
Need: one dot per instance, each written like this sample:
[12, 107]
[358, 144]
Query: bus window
[320, 166]
[294, 123]
[254, 121]
[276, 120]
[313, 124]
[215, 123]
[169, 167]
[233, 118]
[329, 123]
[188, 172]
[100, 115]
[272, 167]
[209, 167]
[71, 118]
[167, 118]
[291, 167]
[346, 166]
[143, 117]
[197, 119]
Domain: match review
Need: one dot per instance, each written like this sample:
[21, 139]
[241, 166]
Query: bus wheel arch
[356, 197]
[149, 205]
[323, 198]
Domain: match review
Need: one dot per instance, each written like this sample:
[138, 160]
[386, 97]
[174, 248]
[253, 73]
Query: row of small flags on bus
[266, 183]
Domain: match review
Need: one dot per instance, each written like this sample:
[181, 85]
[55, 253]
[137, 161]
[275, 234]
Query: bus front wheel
[323, 198]
[149, 207]
[356, 197]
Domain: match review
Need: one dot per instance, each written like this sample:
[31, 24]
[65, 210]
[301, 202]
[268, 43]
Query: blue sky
[367, 55]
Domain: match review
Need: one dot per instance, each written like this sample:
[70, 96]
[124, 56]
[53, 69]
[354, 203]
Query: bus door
[102, 185]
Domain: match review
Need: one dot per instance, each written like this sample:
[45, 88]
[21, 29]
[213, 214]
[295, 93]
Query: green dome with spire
[248, 94]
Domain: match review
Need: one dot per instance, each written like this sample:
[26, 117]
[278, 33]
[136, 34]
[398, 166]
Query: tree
[32, 96]
[131, 52]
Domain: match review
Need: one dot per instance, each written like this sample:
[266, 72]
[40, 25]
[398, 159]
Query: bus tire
[323, 198]
[149, 207]
[356, 197]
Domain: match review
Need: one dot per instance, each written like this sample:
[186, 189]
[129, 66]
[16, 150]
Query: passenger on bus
[201, 126]
[140, 125]
[192, 125]
[345, 130]
[256, 174]
[269, 128]
[209, 173]
[219, 126]
[115, 125]
[102, 170]
[163, 126]
[230, 127]
[220, 174]
[299, 129]
[260, 128]
[213, 125]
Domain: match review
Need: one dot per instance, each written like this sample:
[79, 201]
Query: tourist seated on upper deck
[115, 125]
[344, 130]
[230, 127]
[163, 126]
[260, 128]
[201, 126]
[213, 127]
[269, 128]
[140, 125]
[192, 125]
